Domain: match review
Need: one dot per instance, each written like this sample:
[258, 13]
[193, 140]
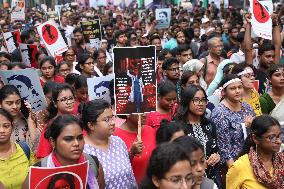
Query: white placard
[18, 10]
[163, 17]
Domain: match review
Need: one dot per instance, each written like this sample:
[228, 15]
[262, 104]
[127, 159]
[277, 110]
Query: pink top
[154, 119]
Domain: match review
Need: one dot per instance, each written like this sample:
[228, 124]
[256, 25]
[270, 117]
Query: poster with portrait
[12, 40]
[92, 33]
[261, 20]
[99, 87]
[28, 83]
[52, 38]
[28, 53]
[135, 79]
[72, 176]
[163, 18]
[18, 10]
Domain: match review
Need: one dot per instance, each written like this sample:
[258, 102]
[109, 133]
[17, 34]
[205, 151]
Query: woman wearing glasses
[63, 100]
[111, 151]
[191, 111]
[231, 118]
[250, 95]
[260, 164]
[169, 168]
[86, 65]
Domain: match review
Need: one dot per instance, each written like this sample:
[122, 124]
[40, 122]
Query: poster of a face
[18, 10]
[28, 83]
[135, 79]
[71, 177]
[99, 87]
[163, 17]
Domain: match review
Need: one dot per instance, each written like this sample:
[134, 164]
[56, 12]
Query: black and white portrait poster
[135, 79]
[12, 40]
[92, 33]
[28, 53]
[99, 87]
[28, 83]
[163, 17]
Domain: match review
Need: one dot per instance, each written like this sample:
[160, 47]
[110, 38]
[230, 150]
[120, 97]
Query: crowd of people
[220, 101]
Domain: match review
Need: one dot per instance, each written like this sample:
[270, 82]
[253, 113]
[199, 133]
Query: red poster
[256, 84]
[73, 176]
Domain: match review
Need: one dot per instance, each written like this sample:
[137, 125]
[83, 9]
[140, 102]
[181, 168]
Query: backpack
[25, 147]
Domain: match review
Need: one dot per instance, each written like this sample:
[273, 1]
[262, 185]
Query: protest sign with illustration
[52, 38]
[261, 20]
[28, 83]
[163, 18]
[28, 53]
[135, 79]
[99, 87]
[18, 10]
[72, 176]
[92, 33]
[12, 40]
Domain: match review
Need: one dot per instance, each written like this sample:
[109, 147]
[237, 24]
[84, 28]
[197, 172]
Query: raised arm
[276, 36]
[247, 40]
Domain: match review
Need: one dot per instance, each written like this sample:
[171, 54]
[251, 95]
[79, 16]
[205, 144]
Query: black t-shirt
[263, 79]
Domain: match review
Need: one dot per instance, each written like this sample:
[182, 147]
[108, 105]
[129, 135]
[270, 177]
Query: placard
[28, 83]
[92, 33]
[18, 10]
[135, 79]
[12, 40]
[28, 53]
[163, 17]
[52, 38]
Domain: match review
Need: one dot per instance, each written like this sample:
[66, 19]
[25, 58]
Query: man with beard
[80, 44]
[233, 45]
[109, 36]
[156, 40]
[212, 61]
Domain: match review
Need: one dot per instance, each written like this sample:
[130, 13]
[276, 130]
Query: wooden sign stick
[139, 137]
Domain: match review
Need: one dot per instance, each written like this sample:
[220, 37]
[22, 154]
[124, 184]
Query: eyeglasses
[178, 180]
[109, 120]
[273, 138]
[198, 101]
[173, 69]
[66, 100]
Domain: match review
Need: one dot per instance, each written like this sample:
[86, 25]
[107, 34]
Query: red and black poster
[135, 79]
[28, 53]
[12, 40]
[73, 177]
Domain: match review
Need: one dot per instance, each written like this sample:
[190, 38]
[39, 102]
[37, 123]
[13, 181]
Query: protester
[191, 111]
[167, 97]
[98, 121]
[139, 149]
[66, 136]
[169, 167]
[24, 127]
[269, 100]
[169, 131]
[86, 64]
[231, 118]
[15, 157]
[63, 99]
[195, 151]
[260, 162]
[63, 69]
[47, 67]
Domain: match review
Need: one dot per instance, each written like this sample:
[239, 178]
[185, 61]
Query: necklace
[6, 155]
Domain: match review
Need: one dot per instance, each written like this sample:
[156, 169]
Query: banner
[28, 53]
[99, 87]
[135, 79]
[72, 176]
[52, 38]
[28, 83]
[11, 40]
[261, 21]
[92, 33]
[18, 10]
[163, 17]
[96, 3]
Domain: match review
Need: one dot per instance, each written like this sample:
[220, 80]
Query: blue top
[230, 135]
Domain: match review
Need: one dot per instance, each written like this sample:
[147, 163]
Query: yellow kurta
[241, 176]
[254, 102]
[14, 170]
